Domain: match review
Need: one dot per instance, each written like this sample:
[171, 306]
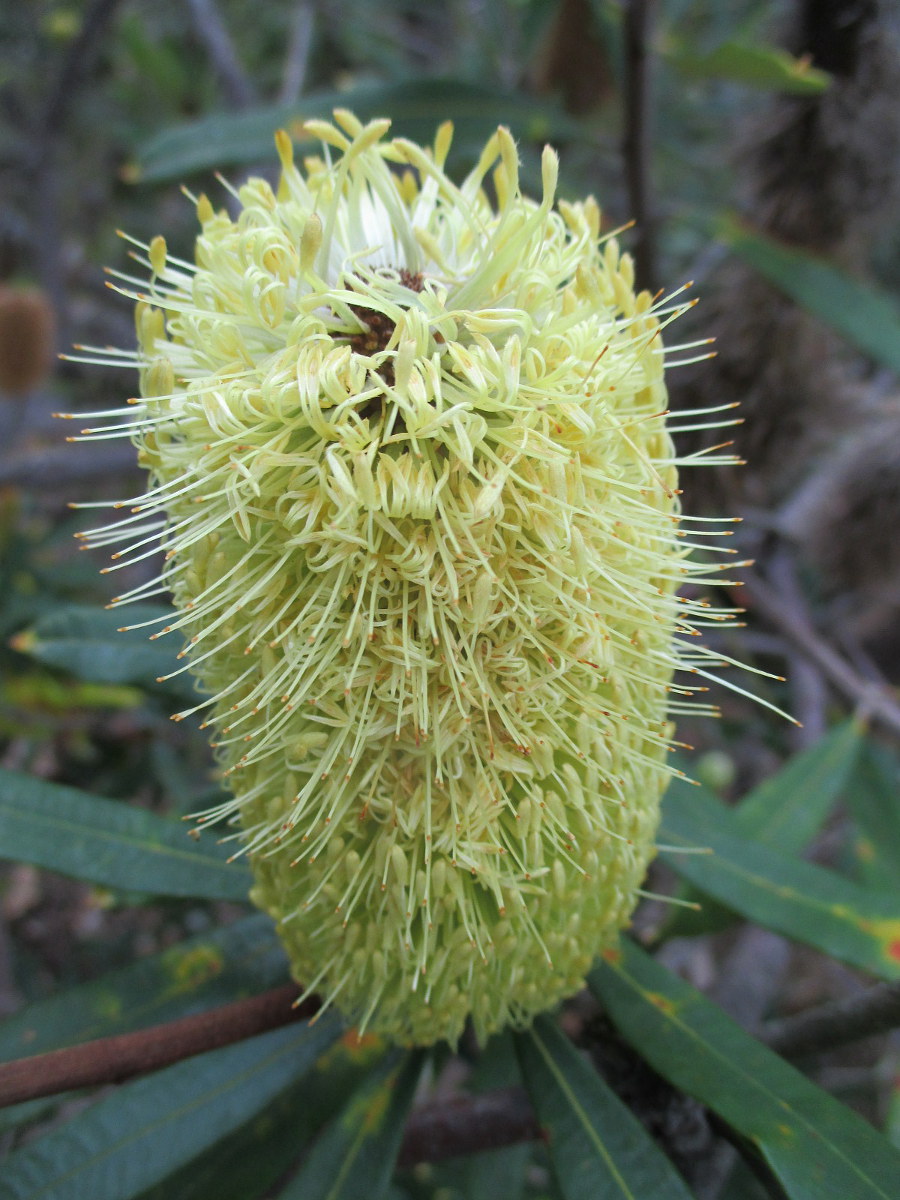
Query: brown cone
[27, 334]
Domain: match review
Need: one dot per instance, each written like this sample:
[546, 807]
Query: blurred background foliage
[758, 144]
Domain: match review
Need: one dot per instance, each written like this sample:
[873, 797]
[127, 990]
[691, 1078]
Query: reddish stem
[113, 1059]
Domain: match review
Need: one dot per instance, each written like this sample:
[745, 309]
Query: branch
[875, 1011]
[211, 31]
[436, 1131]
[810, 693]
[113, 1059]
[296, 59]
[439, 1130]
[76, 63]
[636, 141]
[467, 1125]
[873, 699]
[45, 183]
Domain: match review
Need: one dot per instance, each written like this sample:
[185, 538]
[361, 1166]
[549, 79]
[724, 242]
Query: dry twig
[636, 143]
[794, 623]
[211, 31]
[876, 1011]
[467, 1125]
[46, 139]
[296, 57]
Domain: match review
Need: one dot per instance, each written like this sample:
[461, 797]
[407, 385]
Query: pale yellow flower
[409, 460]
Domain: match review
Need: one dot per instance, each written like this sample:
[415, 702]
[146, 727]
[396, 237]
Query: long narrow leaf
[109, 843]
[494, 1173]
[354, 1157]
[856, 925]
[198, 973]
[88, 642]
[818, 1149]
[892, 1124]
[416, 106]
[597, 1148]
[250, 1162]
[785, 811]
[866, 316]
[873, 802]
[142, 1133]
[768, 68]
[742, 1184]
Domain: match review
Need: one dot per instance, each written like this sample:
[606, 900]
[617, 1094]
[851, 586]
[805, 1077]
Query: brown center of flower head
[376, 335]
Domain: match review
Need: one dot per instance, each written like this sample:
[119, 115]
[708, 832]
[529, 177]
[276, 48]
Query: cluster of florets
[409, 462]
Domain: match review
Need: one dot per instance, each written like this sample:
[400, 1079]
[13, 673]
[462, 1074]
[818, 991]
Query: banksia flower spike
[409, 464]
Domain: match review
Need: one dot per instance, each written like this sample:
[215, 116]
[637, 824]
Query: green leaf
[416, 107]
[250, 1162]
[785, 811]
[596, 1146]
[355, 1156]
[767, 67]
[500, 1172]
[14, 1115]
[796, 898]
[494, 1173]
[110, 843]
[87, 641]
[742, 1184]
[872, 802]
[198, 973]
[157, 63]
[818, 1149]
[892, 1123]
[865, 315]
[788, 809]
[146, 1130]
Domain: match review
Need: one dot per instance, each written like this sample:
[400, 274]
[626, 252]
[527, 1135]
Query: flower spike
[409, 465]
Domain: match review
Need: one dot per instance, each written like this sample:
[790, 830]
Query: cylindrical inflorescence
[409, 462]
